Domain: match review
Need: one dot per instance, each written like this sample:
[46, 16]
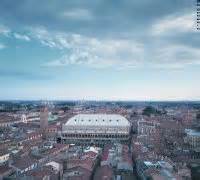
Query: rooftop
[98, 119]
[24, 162]
[77, 173]
[192, 132]
[4, 169]
[103, 172]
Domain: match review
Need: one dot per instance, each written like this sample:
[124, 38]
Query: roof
[192, 132]
[24, 162]
[85, 163]
[3, 152]
[5, 118]
[98, 120]
[5, 169]
[103, 172]
[41, 173]
[105, 153]
[81, 173]
[90, 154]
[148, 163]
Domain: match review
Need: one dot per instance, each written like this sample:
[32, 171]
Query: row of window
[96, 120]
[97, 135]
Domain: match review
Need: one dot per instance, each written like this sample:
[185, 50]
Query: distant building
[24, 164]
[95, 128]
[7, 121]
[33, 116]
[104, 173]
[23, 118]
[4, 156]
[146, 127]
[5, 171]
[42, 173]
[193, 138]
[117, 156]
[44, 114]
[153, 170]
[33, 136]
[77, 173]
[51, 131]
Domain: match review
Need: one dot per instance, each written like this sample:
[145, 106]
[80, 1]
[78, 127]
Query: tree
[149, 110]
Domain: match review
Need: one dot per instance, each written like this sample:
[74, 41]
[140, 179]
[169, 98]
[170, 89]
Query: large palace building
[95, 129]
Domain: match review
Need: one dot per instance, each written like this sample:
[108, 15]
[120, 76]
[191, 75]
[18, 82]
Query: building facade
[193, 138]
[44, 114]
[146, 127]
[95, 129]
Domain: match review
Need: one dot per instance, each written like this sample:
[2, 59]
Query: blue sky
[101, 50]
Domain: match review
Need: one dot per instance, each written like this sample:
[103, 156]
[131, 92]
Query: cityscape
[99, 90]
[99, 140]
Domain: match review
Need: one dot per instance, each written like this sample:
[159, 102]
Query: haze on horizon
[99, 50]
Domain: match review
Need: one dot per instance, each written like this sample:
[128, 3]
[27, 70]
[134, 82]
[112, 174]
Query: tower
[44, 113]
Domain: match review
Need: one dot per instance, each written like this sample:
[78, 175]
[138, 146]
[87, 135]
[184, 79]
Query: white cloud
[77, 14]
[92, 52]
[101, 53]
[176, 56]
[22, 37]
[2, 46]
[174, 24]
[115, 53]
[47, 39]
[4, 30]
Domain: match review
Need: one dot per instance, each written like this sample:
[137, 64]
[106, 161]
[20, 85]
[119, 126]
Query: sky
[99, 50]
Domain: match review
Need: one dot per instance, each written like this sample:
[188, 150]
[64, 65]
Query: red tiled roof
[34, 134]
[90, 154]
[4, 169]
[84, 173]
[60, 146]
[24, 162]
[86, 163]
[105, 153]
[103, 173]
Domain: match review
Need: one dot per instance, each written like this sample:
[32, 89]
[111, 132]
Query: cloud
[175, 56]
[175, 24]
[120, 37]
[180, 53]
[22, 37]
[23, 75]
[4, 30]
[2, 46]
[122, 54]
[77, 14]
[93, 52]
[117, 53]
[48, 39]
[98, 18]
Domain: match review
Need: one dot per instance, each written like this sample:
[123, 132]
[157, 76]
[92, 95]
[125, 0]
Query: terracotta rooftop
[86, 163]
[90, 154]
[24, 162]
[81, 173]
[104, 173]
[105, 153]
[4, 169]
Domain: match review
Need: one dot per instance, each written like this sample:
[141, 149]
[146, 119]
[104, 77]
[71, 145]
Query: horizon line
[104, 100]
